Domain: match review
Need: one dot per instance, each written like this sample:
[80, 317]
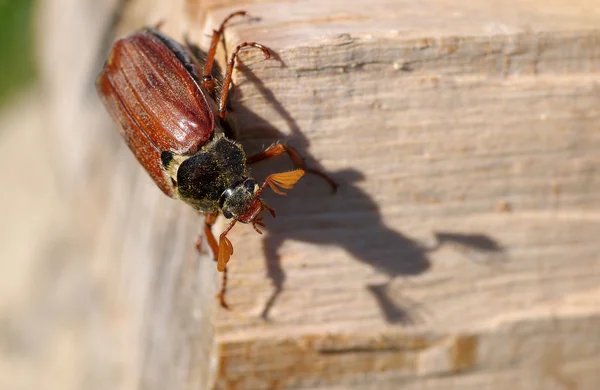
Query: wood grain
[460, 250]
[464, 140]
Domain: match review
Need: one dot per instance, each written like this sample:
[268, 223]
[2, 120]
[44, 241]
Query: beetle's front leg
[207, 78]
[229, 72]
[209, 221]
[276, 150]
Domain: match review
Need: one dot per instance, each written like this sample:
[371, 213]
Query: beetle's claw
[221, 298]
[270, 210]
[258, 221]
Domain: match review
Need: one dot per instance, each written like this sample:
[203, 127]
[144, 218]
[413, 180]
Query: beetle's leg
[230, 64]
[209, 221]
[225, 252]
[159, 24]
[207, 78]
[221, 294]
[225, 248]
[298, 161]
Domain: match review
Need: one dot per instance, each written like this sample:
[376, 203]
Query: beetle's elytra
[171, 104]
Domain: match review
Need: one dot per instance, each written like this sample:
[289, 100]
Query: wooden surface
[460, 251]
[465, 140]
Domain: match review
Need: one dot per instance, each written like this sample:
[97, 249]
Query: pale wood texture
[475, 124]
[460, 251]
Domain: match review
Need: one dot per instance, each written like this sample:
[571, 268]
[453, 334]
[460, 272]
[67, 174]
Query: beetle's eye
[250, 185]
[227, 214]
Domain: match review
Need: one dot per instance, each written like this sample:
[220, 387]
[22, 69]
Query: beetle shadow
[350, 219]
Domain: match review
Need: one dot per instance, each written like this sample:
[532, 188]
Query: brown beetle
[175, 121]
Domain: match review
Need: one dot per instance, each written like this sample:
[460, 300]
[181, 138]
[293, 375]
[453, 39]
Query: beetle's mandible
[171, 103]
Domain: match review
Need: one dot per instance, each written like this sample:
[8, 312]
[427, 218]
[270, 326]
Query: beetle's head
[242, 202]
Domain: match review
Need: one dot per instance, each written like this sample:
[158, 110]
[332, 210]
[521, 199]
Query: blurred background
[17, 62]
[45, 302]
[66, 314]
[29, 205]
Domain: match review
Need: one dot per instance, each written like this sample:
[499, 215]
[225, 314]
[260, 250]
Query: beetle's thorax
[204, 178]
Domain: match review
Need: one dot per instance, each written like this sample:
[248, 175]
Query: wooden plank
[464, 141]
[459, 252]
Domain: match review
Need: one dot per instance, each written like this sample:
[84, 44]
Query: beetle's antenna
[285, 180]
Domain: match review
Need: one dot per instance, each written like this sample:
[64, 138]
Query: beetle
[170, 101]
